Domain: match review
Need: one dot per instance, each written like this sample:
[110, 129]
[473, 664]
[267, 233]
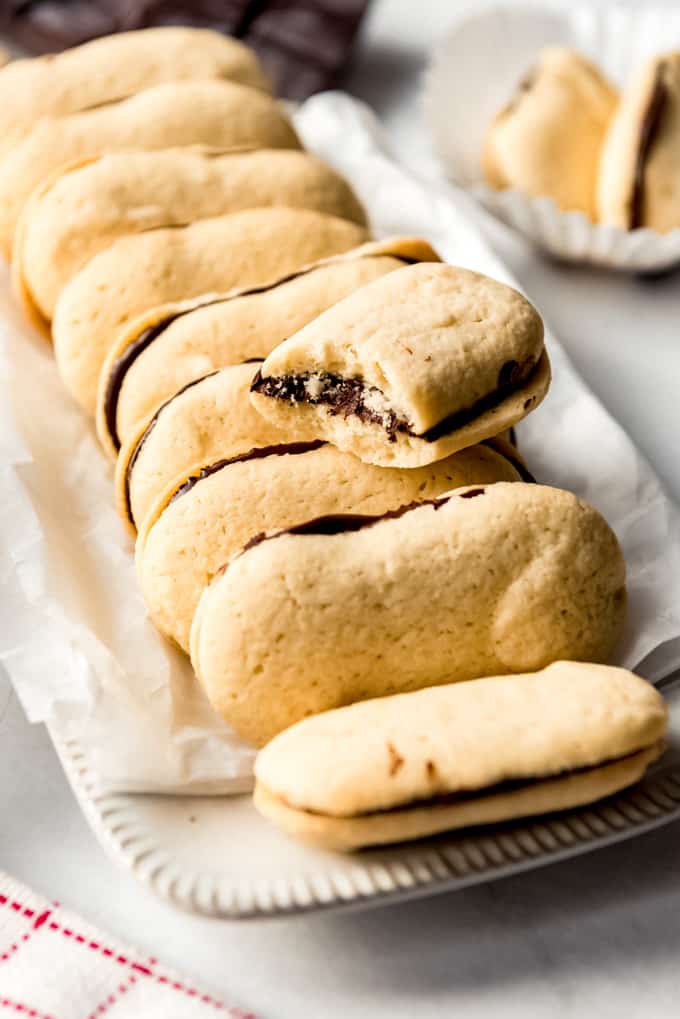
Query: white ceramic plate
[461, 98]
[216, 856]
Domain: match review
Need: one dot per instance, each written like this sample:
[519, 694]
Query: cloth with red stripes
[54, 965]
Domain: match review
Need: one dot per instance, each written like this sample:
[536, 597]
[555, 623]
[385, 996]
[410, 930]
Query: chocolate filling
[118, 371]
[145, 435]
[257, 453]
[507, 786]
[524, 472]
[353, 397]
[122, 364]
[648, 133]
[340, 523]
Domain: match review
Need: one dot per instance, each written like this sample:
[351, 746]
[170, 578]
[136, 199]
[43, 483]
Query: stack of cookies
[314, 445]
[567, 134]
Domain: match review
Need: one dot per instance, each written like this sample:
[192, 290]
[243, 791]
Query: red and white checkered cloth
[53, 965]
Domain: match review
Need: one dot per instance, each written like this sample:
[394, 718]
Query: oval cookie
[486, 580]
[414, 764]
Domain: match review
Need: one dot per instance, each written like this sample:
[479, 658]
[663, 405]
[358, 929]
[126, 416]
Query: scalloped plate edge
[445, 864]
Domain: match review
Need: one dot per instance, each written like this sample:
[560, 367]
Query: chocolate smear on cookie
[648, 132]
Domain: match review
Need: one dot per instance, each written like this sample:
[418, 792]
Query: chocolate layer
[353, 397]
[257, 453]
[507, 786]
[118, 371]
[122, 364]
[339, 523]
[145, 435]
[648, 133]
[523, 471]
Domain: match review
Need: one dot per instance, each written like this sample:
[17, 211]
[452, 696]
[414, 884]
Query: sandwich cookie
[169, 346]
[200, 522]
[410, 368]
[142, 271]
[209, 419]
[113, 68]
[83, 210]
[547, 140]
[218, 113]
[415, 764]
[478, 582]
[638, 181]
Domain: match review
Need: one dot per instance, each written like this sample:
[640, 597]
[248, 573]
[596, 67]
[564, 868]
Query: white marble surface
[599, 936]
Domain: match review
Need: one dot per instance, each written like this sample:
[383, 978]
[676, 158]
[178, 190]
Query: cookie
[479, 582]
[547, 140]
[168, 347]
[210, 418]
[410, 368]
[114, 67]
[415, 764]
[196, 525]
[638, 180]
[218, 113]
[142, 271]
[84, 210]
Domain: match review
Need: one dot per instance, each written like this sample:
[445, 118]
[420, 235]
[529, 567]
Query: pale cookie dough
[218, 113]
[84, 209]
[115, 67]
[490, 579]
[639, 185]
[195, 526]
[547, 140]
[142, 271]
[410, 368]
[166, 348]
[411, 765]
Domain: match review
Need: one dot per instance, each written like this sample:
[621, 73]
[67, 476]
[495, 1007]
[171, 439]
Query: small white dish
[475, 70]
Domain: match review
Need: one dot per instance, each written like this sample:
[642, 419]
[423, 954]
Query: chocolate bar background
[303, 44]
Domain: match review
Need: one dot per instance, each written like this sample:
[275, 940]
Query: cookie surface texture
[145, 270]
[84, 210]
[447, 757]
[168, 347]
[494, 579]
[114, 67]
[194, 528]
[410, 368]
[218, 113]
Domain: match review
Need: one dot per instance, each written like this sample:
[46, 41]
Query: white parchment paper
[73, 632]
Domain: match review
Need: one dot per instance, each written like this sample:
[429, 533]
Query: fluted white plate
[214, 855]
[475, 70]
